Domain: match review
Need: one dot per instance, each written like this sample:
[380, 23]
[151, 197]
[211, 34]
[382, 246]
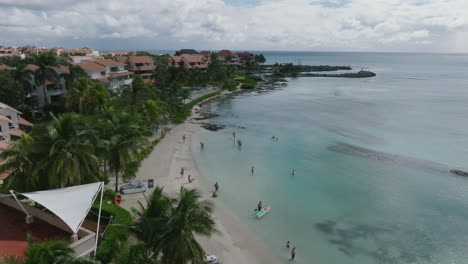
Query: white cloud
[278, 24]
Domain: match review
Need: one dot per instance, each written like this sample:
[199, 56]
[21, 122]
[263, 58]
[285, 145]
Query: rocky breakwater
[359, 74]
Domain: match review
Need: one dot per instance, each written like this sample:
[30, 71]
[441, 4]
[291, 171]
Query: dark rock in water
[205, 116]
[212, 127]
[459, 172]
[360, 74]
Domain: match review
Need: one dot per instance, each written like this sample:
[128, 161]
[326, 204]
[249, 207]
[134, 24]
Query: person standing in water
[287, 244]
[216, 185]
[293, 253]
[259, 206]
[234, 135]
[293, 172]
[252, 170]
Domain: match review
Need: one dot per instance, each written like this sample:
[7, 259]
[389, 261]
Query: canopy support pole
[19, 203]
[98, 221]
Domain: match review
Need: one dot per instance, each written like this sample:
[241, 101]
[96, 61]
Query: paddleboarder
[216, 185]
[259, 206]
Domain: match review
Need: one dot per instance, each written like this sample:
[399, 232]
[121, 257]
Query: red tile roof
[109, 63]
[4, 144]
[225, 53]
[32, 67]
[122, 59]
[24, 122]
[62, 68]
[141, 59]
[5, 106]
[16, 132]
[6, 67]
[205, 52]
[90, 66]
[4, 118]
[177, 58]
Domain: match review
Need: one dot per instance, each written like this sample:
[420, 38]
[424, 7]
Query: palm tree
[154, 110]
[87, 96]
[125, 142]
[23, 75]
[67, 155]
[185, 94]
[19, 162]
[135, 254]
[168, 226]
[75, 72]
[53, 252]
[45, 73]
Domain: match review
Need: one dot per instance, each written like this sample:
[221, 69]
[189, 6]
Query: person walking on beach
[190, 180]
[259, 206]
[216, 185]
[182, 172]
[287, 244]
[252, 170]
[202, 145]
[234, 135]
[293, 253]
[183, 138]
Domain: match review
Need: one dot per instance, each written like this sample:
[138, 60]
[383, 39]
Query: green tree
[154, 111]
[168, 226]
[67, 155]
[45, 73]
[53, 252]
[75, 73]
[19, 162]
[12, 92]
[185, 94]
[87, 96]
[124, 142]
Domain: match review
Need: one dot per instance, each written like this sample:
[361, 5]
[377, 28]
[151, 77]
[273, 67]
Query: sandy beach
[234, 243]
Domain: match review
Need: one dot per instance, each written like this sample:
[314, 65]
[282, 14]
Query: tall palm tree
[87, 96]
[45, 73]
[135, 254]
[53, 252]
[68, 156]
[154, 110]
[125, 142]
[168, 226]
[23, 75]
[19, 162]
[75, 72]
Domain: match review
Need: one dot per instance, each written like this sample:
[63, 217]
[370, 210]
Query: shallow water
[371, 158]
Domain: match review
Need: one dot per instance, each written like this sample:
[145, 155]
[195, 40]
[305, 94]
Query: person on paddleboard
[259, 206]
[216, 185]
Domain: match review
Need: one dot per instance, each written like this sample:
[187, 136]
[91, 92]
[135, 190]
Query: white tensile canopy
[71, 204]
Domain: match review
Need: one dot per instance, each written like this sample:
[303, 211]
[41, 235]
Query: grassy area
[117, 231]
[181, 116]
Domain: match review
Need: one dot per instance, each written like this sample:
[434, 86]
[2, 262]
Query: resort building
[12, 126]
[10, 52]
[21, 220]
[79, 52]
[118, 53]
[55, 89]
[245, 57]
[142, 66]
[228, 57]
[112, 74]
[189, 61]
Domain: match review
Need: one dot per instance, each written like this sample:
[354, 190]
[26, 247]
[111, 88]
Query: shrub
[185, 112]
[116, 232]
[109, 195]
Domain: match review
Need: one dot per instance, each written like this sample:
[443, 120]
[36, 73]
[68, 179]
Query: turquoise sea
[371, 158]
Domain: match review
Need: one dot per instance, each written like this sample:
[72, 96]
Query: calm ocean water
[371, 158]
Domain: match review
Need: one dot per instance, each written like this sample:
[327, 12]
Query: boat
[263, 212]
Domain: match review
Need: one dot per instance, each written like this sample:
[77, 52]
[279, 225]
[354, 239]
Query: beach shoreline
[235, 242]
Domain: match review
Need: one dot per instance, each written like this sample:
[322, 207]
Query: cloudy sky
[304, 25]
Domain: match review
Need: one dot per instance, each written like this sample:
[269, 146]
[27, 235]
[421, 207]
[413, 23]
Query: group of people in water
[293, 250]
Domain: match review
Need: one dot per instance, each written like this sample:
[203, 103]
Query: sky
[287, 25]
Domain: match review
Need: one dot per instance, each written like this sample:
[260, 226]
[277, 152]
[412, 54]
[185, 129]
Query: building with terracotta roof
[142, 66]
[11, 52]
[6, 67]
[118, 53]
[228, 57]
[79, 52]
[113, 74]
[189, 61]
[245, 57]
[12, 126]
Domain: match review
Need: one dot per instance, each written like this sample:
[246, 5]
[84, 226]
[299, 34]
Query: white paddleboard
[263, 212]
